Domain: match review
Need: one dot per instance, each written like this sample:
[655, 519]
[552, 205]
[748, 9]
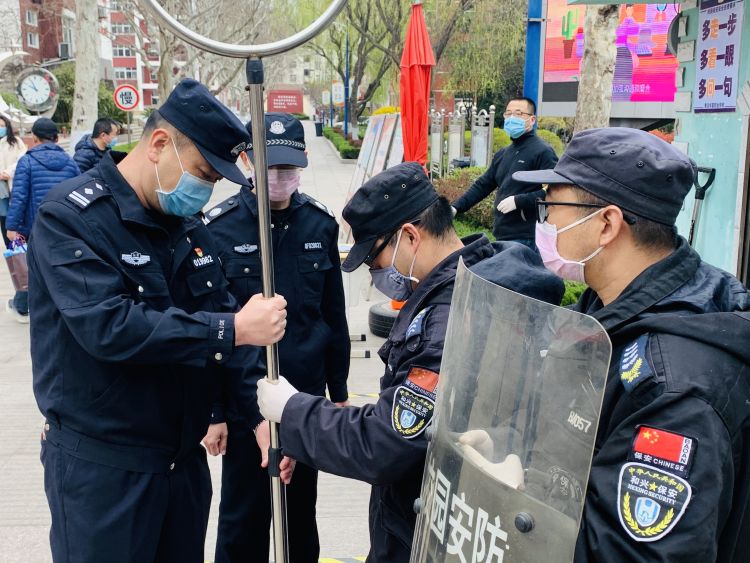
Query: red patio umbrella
[416, 63]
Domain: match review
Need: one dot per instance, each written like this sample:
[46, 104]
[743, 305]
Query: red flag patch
[424, 378]
[666, 450]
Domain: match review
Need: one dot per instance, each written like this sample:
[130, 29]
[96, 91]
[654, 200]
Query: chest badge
[202, 259]
[136, 259]
[246, 248]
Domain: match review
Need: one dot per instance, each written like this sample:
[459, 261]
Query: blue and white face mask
[515, 126]
[188, 197]
[392, 283]
[3, 132]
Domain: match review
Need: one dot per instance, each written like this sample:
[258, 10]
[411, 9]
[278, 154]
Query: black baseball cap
[45, 129]
[216, 132]
[383, 204]
[285, 140]
[630, 168]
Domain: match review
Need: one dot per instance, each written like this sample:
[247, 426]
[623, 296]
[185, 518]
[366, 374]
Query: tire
[381, 319]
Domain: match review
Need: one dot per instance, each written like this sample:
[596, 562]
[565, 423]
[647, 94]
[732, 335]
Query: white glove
[507, 205]
[273, 397]
[455, 211]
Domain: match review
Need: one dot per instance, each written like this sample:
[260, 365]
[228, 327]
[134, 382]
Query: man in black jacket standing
[514, 201]
[671, 465]
[91, 148]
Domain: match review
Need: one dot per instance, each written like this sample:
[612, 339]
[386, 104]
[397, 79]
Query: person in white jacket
[11, 149]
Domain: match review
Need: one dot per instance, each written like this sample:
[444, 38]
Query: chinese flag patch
[666, 450]
[423, 378]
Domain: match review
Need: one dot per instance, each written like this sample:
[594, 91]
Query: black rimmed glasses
[516, 113]
[542, 209]
[375, 253]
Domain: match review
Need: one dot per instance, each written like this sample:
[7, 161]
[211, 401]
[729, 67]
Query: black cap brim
[276, 156]
[357, 254]
[541, 177]
[225, 168]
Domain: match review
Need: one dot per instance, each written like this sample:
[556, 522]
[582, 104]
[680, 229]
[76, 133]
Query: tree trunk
[597, 68]
[85, 97]
[166, 62]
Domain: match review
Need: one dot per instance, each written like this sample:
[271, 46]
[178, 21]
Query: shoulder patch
[414, 403]
[650, 501]
[663, 450]
[318, 205]
[85, 195]
[413, 336]
[224, 207]
[634, 365]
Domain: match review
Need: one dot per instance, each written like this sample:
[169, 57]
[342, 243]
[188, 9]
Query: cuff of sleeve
[338, 393]
[217, 414]
[221, 336]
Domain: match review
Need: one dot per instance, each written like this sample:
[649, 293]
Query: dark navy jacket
[680, 364]
[87, 154]
[528, 152]
[378, 443]
[38, 171]
[132, 324]
[314, 352]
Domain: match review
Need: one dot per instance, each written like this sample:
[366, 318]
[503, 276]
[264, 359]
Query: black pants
[245, 509]
[100, 513]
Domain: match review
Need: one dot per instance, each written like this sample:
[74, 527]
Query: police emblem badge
[136, 259]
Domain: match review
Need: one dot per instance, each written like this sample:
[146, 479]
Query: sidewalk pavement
[342, 503]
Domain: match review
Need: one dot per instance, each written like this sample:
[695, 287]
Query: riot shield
[521, 388]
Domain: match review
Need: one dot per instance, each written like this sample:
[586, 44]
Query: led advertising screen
[644, 69]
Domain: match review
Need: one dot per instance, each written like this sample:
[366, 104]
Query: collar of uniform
[249, 198]
[649, 288]
[131, 208]
[476, 247]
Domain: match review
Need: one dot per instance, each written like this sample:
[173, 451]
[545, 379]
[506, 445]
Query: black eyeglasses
[374, 254]
[517, 113]
[542, 209]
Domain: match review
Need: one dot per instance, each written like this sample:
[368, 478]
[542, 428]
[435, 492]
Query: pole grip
[275, 455]
[254, 71]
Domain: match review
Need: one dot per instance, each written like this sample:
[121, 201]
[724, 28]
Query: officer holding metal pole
[254, 70]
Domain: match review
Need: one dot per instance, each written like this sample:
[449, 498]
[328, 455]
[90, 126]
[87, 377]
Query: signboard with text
[718, 56]
[286, 101]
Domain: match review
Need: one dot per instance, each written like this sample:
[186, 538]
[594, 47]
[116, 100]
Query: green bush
[552, 140]
[465, 227]
[573, 291]
[500, 139]
[346, 150]
[455, 184]
[301, 116]
[11, 99]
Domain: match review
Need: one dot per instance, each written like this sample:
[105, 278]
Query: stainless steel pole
[254, 69]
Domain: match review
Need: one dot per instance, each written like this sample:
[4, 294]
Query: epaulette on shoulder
[635, 364]
[86, 194]
[222, 209]
[319, 205]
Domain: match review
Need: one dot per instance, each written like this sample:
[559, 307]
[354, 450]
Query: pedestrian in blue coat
[44, 166]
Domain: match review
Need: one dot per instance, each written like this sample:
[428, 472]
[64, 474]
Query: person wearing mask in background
[44, 166]
[514, 201]
[91, 148]
[313, 355]
[11, 149]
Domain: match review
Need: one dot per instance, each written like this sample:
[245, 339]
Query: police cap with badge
[285, 141]
[216, 132]
[383, 204]
[627, 167]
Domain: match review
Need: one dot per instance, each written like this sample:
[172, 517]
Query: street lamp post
[346, 87]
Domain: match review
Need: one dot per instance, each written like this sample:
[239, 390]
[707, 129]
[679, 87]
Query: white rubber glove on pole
[273, 397]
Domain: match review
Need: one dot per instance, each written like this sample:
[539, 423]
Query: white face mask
[546, 242]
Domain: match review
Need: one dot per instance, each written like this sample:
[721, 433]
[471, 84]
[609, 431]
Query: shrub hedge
[345, 148]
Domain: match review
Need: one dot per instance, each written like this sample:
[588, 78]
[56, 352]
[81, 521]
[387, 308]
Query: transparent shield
[521, 387]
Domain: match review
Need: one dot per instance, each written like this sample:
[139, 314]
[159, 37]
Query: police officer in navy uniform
[404, 232]
[133, 330]
[671, 466]
[314, 353]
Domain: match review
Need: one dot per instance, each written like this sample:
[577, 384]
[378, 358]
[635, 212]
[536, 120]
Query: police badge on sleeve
[414, 403]
[653, 490]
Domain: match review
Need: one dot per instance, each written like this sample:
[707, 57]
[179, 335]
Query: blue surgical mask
[188, 197]
[392, 283]
[514, 126]
[112, 143]
[3, 132]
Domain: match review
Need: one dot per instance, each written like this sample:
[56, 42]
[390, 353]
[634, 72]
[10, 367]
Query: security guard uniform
[314, 354]
[675, 419]
[132, 331]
